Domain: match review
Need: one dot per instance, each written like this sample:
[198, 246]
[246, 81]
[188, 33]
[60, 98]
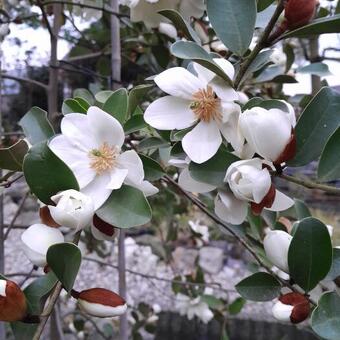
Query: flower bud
[299, 13]
[293, 307]
[73, 209]
[168, 30]
[36, 241]
[12, 302]
[276, 245]
[269, 133]
[102, 230]
[100, 302]
[46, 218]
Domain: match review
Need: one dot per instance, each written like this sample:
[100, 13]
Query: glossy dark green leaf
[316, 27]
[181, 24]
[136, 96]
[263, 4]
[72, 106]
[329, 164]
[326, 317]
[134, 124]
[64, 259]
[310, 253]
[152, 143]
[318, 122]
[259, 287]
[317, 69]
[153, 171]
[301, 209]
[84, 94]
[189, 50]
[83, 103]
[46, 174]
[126, 207]
[233, 22]
[102, 96]
[117, 105]
[36, 126]
[23, 331]
[12, 158]
[214, 170]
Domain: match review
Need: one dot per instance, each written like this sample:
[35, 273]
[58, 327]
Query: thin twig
[52, 301]
[311, 185]
[44, 14]
[243, 242]
[25, 80]
[260, 45]
[7, 184]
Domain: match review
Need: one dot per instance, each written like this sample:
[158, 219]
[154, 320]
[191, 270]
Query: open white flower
[250, 181]
[91, 146]
[73, 209]
[193, 307]
[37, 239]
[205, 99]
[269, 133]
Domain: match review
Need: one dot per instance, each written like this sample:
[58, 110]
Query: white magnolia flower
[193, 307]
[276, 245]
[251, 182]
[269, 133]
[147, 10]
[91, 146]
[230, 209]
[204, 99]
[73, 209]
[37, 239]
[200, 229]
[168, 29]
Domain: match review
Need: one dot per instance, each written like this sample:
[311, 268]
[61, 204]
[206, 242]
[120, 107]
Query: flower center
[206, 105]
[104, 158]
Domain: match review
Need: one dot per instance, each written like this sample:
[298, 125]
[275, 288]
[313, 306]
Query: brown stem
[260, 45]
[24, 80]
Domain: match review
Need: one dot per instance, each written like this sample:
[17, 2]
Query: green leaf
[72, 106]
[117, 105]
[335, 269]
[318, 122]
[190, 50]
[134, 124]
[337, 9]
[263, 4]
[136, 96]
[125, 208]
[102, 96]
[23, 331]
[326, 316]
[212, 301]
[46, 174]
[236, 306]
[316, 27]
[36, 126]
[84, 94]
[233, 22]
[301, 209]
[274, 104]
[317, 69]
[310, 253]
[12, 158]
[64, 259]
[214, 170]
[259, 287]
[329, 165]
[82, 102]
[152, 143]
[181, 24]
[153, 171]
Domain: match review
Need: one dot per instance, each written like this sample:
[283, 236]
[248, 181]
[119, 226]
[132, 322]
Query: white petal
[130, 161]
[105, 128]
[223, 90]
[101, 311]
[229, 209]
[202, 142]
[187, 183]
[179, 82]
[118, 176]
[281, 203]
[170, 113]
[226, 66]
[147, 188]
[76, 159]
[98, 190]
[282, 312]
[76, 128]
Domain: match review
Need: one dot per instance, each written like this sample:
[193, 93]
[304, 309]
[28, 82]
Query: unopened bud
[102, 230]
[13, 305]
[299, 13]
[293, 307]
[100, 302]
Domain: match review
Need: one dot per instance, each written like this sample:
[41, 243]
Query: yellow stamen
[104, 158]
[206, 105]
